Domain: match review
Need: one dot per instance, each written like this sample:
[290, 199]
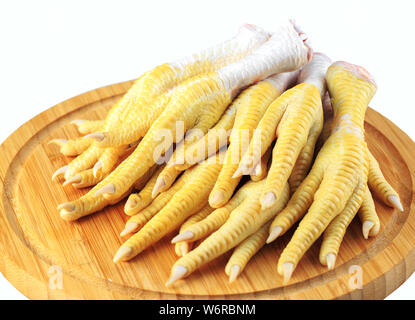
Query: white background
[53, 50]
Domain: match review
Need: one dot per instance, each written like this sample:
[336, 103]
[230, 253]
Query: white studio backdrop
[53, 50]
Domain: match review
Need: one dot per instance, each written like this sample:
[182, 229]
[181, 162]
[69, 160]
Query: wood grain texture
[36, 244]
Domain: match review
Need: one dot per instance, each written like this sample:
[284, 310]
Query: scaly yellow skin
[301, 200]
[90, 177]
[138, 201]
[333, 235]
[72, 147]
[244, 221]
[149, 94]
[218, 217]
[74, 210]
[378, 184]
[169, 174]
[245, 251]
[83, 179]
[116, 115]
[84, 161]
[296, 119]
[138, 220]
[88, 126]
[291, 116]
[368, 216]
[367, 212]
[165, 179]
[143, 114]
[305, 158]
[109, 159]
[255, 102]
[183, 247]
[261, 169]
[335, 232]
[165, 77]
[328, 120]
[297, 205]
[90, 156]
[376, 181]
[143, 180]
[192, 152]
[198, 104]
[88, 203]
[142, 95]
[188, 200]
[216, 138]
[341, 167]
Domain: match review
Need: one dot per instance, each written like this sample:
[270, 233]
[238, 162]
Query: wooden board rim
[407, 261]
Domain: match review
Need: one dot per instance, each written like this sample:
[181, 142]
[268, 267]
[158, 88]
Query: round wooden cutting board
[46, 257]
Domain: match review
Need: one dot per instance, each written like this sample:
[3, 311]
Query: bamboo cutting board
[46, 257]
